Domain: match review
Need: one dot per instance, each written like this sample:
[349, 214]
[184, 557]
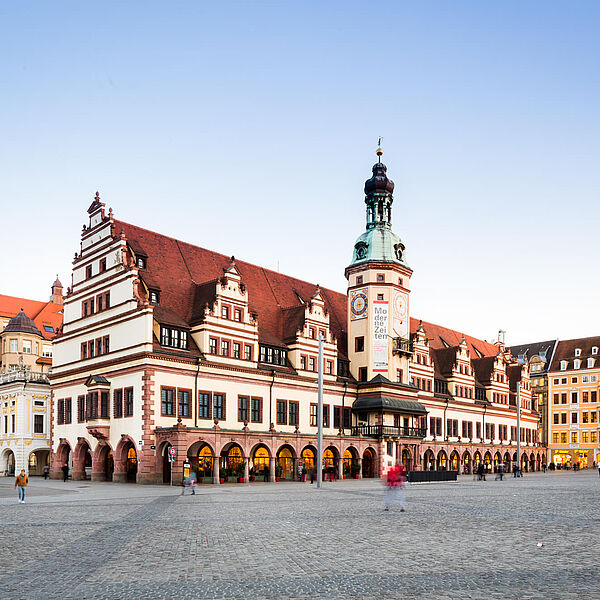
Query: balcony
[402, 346]
[377, 431]
[24, 375]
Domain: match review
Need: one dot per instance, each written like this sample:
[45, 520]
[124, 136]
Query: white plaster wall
[233, 387]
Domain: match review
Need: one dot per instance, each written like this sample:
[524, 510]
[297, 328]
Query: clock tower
[378, 290]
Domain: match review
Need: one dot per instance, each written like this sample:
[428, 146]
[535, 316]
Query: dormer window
[273, 356]
[140, 262]
[590, 363]
[174, 338]
[361, 251]
[154, 297]
[577, 351]
[563, 365]
[576, 364]
[594, 349]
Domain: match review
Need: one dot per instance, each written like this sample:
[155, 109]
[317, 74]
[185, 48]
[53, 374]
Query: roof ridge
[225, 256]
[185, 262]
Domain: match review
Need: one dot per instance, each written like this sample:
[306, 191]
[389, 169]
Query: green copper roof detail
[379, 245]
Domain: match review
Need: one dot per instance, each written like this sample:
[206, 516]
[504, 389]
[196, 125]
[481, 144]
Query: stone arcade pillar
[341, 467]
[78, 472]
[272, 469]
[120, 472]
[246, 470]
[216, 471]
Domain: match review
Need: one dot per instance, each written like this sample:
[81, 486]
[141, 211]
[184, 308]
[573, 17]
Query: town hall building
[168, 348]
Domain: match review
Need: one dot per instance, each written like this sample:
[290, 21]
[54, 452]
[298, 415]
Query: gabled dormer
[421, 364]
[302, 326]
[223, 325]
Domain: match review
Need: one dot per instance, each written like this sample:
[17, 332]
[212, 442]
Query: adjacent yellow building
[573, 403]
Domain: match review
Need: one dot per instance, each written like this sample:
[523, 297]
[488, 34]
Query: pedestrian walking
[21, 482]
[500, 471]
[65, 472]
[395, 481]
[189, 483]
[46, 471]
[481, 472]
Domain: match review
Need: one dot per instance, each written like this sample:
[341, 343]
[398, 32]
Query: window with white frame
[26, 346]
[14, 345]
[563, 365]
[590, 363]
[576, 364]
[577, 351]
[174, 338]
[594, 349]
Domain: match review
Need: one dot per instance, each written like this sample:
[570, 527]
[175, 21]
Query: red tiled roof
[444, 359]
[483, 368]
[436, 333]
[514, 373]
[42, 313]
[186, 275]
[183, 270]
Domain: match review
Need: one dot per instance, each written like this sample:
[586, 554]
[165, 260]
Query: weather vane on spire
[379, 151]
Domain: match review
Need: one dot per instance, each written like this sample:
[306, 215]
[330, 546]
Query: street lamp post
[320, 415]
[519, 427]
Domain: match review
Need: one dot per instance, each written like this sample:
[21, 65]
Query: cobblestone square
[467, 539]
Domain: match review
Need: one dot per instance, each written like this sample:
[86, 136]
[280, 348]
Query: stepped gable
[179, 268]
[41, 313]
[437, 335]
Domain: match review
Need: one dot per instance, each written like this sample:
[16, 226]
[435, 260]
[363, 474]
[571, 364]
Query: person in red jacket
[21, 482]
[395, 481]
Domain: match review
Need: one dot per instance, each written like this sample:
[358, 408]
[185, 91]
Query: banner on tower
[380, 336]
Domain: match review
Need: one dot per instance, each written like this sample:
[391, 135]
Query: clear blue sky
[249, 128]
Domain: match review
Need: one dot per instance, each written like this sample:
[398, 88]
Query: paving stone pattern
[459, 540]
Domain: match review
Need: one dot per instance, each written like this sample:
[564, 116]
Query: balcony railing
[402, 345]
[377, 431]
[24, 375]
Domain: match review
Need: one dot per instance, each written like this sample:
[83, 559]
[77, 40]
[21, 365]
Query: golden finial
[379, 151]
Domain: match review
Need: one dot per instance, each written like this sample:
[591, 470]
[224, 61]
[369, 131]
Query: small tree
[240, 468]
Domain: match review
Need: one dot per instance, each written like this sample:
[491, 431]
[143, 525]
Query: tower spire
[379, 151]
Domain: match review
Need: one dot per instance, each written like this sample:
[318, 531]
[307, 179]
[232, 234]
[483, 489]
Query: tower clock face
[400, 315]
[358, 304]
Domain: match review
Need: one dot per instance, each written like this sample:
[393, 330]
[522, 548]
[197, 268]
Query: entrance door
[131, 465]
[166, 465]
[368, 463]
[286, 462]
[109, 467]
